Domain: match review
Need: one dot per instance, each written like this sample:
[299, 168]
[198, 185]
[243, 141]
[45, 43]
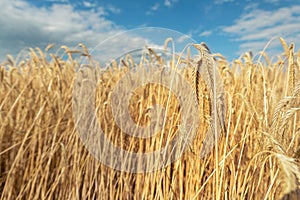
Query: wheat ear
[207, 69]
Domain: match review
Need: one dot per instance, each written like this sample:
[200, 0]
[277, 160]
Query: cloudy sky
[229, 27]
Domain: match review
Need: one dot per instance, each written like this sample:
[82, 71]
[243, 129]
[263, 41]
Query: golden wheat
[43, 157]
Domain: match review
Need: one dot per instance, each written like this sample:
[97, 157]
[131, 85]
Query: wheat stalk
[207, 70]
[291, 68]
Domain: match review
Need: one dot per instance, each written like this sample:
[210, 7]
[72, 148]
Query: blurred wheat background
[257, 157]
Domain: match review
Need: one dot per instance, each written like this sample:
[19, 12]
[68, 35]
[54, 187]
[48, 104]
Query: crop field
[42, 155]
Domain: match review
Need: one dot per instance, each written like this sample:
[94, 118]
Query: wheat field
[257, 155]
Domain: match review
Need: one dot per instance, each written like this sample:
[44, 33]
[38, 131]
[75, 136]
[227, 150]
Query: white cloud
[251, 6]
[169, 3]
[113, 9]
[25, 25]
[256, 27]
[205, 33]
[153, 9]
[88, 4]
[58, 1]
[223, 1]
[184, 38]
[271, 1]
[156, 6]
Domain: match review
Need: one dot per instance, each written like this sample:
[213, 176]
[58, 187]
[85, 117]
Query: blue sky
[229, 27]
